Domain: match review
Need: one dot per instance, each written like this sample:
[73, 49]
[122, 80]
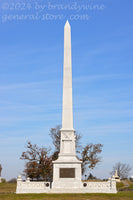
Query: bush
[3, 180]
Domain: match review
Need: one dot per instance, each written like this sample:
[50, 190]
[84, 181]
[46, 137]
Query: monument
[67, 168]
[117, 178]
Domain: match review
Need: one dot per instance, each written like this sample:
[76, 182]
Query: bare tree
[55, 135]
[123, 170]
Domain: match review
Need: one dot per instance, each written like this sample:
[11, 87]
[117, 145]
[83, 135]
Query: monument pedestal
[67, 168]
[67, 174]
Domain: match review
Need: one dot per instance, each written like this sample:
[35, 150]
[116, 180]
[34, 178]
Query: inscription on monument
[67, 172]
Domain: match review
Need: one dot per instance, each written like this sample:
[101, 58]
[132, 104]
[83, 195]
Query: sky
[31, 75]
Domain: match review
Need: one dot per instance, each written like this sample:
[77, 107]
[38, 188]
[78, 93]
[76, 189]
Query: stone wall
[85, 187]
[100, 187]
[32, 186]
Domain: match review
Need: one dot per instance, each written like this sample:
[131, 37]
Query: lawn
[7, 189]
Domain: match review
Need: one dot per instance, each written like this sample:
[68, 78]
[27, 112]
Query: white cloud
[34, 85]
[102, 77]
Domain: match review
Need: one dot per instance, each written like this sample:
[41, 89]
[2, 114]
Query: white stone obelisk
[67, 145]
[67, 168]
[67, 110]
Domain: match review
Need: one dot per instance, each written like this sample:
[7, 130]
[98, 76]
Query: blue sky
[31, 68]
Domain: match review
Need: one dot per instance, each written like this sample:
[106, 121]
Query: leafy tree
[123, 170]
[38, 162]
[89, 156]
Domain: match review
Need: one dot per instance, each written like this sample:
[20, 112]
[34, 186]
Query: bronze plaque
[67, 172]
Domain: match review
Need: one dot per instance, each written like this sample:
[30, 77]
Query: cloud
[38, 84]
[102, 77]
[111, 47]
[108, 129]
[41, 84]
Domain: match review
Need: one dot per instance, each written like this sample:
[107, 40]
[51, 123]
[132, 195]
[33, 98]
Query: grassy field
[130, 184]
[7, 187]
[119, 185]
[7, 193]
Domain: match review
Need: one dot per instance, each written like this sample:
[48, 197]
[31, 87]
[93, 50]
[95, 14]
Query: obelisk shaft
[67, 113]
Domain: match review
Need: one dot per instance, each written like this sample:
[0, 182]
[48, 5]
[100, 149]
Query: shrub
[3, 180]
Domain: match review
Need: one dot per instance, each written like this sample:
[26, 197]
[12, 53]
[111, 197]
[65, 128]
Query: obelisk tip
[67, 24]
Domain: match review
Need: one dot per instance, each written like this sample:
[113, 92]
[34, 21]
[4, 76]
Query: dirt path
[126, 184]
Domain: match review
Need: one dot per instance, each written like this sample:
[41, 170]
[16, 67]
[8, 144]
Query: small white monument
[117, 178]
[67, 168]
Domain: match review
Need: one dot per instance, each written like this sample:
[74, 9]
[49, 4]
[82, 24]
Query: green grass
[122, 187]
[119, 185]
[130, 184]
[7, 188]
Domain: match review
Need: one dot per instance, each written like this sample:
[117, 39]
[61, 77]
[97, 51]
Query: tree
[55, 136]
[38, 162]
[91, 177]
[123, 170]
[13, 180]
[3, 180]
[88, 154]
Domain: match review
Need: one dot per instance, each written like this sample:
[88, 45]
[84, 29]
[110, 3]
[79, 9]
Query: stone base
[67, 173]
[82, 191]
[65, 179]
